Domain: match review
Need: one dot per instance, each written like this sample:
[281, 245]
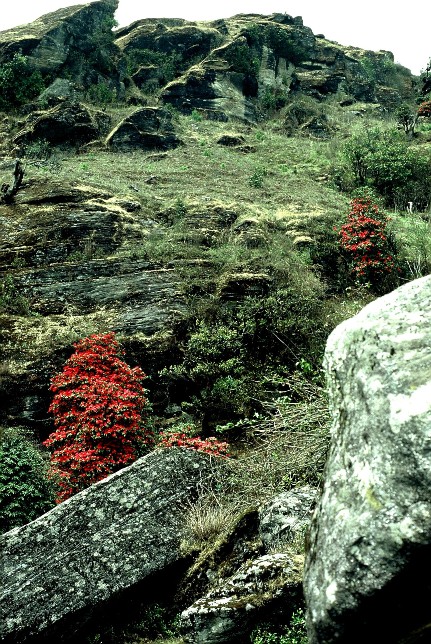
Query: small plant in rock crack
[97, 406]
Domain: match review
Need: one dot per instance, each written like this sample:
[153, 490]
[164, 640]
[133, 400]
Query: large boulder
[366, 575]
[69, 123]
[60, 569]
[147, 128]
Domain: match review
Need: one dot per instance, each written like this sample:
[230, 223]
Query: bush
[18, 83]
[384, 161]
[97, 410]
[366, 244]
[296, 633]
[26, 492]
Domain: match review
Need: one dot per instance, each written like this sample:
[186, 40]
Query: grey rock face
[366, 576]
[96, 544]
[227, 613]
[286, 517]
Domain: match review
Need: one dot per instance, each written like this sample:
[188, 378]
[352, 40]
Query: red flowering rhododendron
[209, 445]
[97, 409]
[365, 242]
[424, 109]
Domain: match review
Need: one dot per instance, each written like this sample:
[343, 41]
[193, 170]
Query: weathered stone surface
[146, 128]
[228, 613]
[366, 577]
[64, 565]
[285, 519]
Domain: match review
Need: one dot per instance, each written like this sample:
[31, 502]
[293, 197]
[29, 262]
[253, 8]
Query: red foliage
[424, 109]
[97, 410]
[209, 445]
[365, 242]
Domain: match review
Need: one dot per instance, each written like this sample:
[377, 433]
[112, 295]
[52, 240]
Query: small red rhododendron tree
[209, 445]
[424, 109]
[366, 244]
[98, 404]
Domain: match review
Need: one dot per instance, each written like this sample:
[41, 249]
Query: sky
[369, 24]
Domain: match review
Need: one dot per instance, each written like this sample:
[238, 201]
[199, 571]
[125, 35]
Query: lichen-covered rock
[366, 576]
[146, 128]
[229, 612]
[63, 566]
[284, 519]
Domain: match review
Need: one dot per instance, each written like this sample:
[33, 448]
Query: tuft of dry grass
[289, 446]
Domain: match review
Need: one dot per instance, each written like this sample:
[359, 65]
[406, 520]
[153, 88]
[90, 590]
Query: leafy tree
[26, 492]
[406, 118]
[97, 409]
[18, 83]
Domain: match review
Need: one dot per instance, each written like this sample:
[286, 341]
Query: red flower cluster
[364, 240]
[209, 445]
[424, 109]
[97, 410]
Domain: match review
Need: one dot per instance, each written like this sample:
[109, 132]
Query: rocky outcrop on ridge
[370, 544]
[60, 569]
[75, 39]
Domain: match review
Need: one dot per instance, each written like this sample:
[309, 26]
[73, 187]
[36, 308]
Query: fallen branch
[7, 192]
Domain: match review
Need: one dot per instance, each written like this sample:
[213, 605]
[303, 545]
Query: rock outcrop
[285, 519]
[268, 59]
[76, 39]
[61, 568]
[227, 613]
[60, 260]
[366, 574]
[68, 123]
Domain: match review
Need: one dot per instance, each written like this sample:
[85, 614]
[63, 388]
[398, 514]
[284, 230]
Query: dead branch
[7, 191]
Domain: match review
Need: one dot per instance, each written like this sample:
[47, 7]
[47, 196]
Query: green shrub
[25, 490]
[18, 83]
[101, 94]
[286, 44]
[383, 160]
[296, 633]
[230, 358]
[11, 301]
